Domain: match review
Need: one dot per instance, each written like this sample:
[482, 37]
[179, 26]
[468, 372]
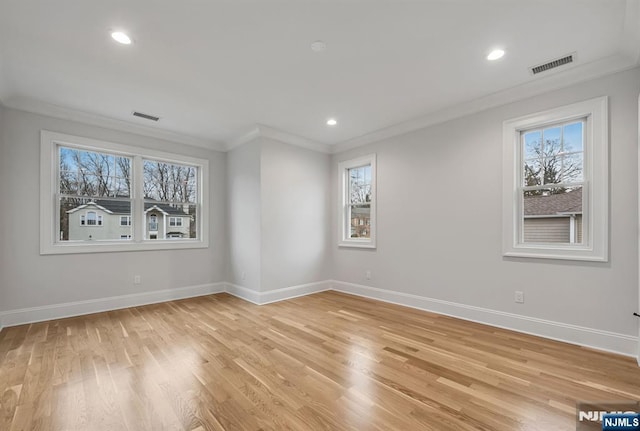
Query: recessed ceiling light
[318, 46]
[332, 122]
[121, 37]
[495, 54]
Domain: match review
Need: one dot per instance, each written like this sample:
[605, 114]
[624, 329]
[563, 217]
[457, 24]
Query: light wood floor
[323, 362]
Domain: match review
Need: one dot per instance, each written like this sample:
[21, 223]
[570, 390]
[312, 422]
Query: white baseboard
[262, 298]
[78, 308]
[243, 293]
[602, 340]
[580, 335]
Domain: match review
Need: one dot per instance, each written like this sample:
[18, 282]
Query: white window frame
[175, 221]
[345, 219]
[595, 190]
[49, 181]
[128, 221]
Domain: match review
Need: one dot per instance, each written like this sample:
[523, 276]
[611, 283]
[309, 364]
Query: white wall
[274, 219]
[243, 180]
[4, 226]
[295, 215]
[29, 279]
[279, 221]
[439, 219]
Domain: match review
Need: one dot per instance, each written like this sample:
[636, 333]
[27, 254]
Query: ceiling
[215, 70]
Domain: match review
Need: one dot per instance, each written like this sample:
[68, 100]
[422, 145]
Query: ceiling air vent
[145, 116]
[553, 64]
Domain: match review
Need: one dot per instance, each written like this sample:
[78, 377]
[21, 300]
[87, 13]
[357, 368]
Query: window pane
[167, 182]
[552, 141]
[553, 156]
[553, 215]
[563, 168]
[573, 139]
[360, 217]
[360, 184]
[83, 219]
[170, 221]
[572, 168]
[552, 169]
[532, 173]
[532, 144]
[87, 173]
[68, 171]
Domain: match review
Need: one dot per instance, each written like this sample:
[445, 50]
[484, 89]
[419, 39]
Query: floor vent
[145, 116]
[553, 64]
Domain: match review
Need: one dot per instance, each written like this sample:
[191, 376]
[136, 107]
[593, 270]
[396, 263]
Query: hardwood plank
[325, 361]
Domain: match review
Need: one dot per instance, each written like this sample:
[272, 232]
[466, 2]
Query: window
[94, 194]
[175, 221]
[153, 223]
[358, 202]
[91, 218]
[555, 199]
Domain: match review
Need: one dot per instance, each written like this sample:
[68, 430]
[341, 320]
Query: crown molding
[291, 139]
[262, 131]
[42, 108]
[243, 139]
[629, 58]
[555, 80]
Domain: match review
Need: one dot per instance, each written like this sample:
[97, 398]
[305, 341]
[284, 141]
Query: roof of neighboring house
[561, 203]
[121, 207]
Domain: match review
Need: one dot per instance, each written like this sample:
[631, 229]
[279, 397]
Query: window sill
[357, 244]
[118, 246]
[561, 253]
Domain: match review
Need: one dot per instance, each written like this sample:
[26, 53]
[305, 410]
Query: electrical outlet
[137, 279]
[367, 274]
[519, 297]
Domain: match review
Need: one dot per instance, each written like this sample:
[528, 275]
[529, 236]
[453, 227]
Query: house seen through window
[552, 182]
[358, 202]
[95, 204]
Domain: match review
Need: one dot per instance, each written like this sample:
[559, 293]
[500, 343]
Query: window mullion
[552, 186]
[346, 221]
[137, 204]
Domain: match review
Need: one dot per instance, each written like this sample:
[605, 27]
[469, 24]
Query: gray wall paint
[440, 220]
[29, 279]
[278, 215]
[438, 238]
[4, 225]
[295, 215]
[243, 164]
